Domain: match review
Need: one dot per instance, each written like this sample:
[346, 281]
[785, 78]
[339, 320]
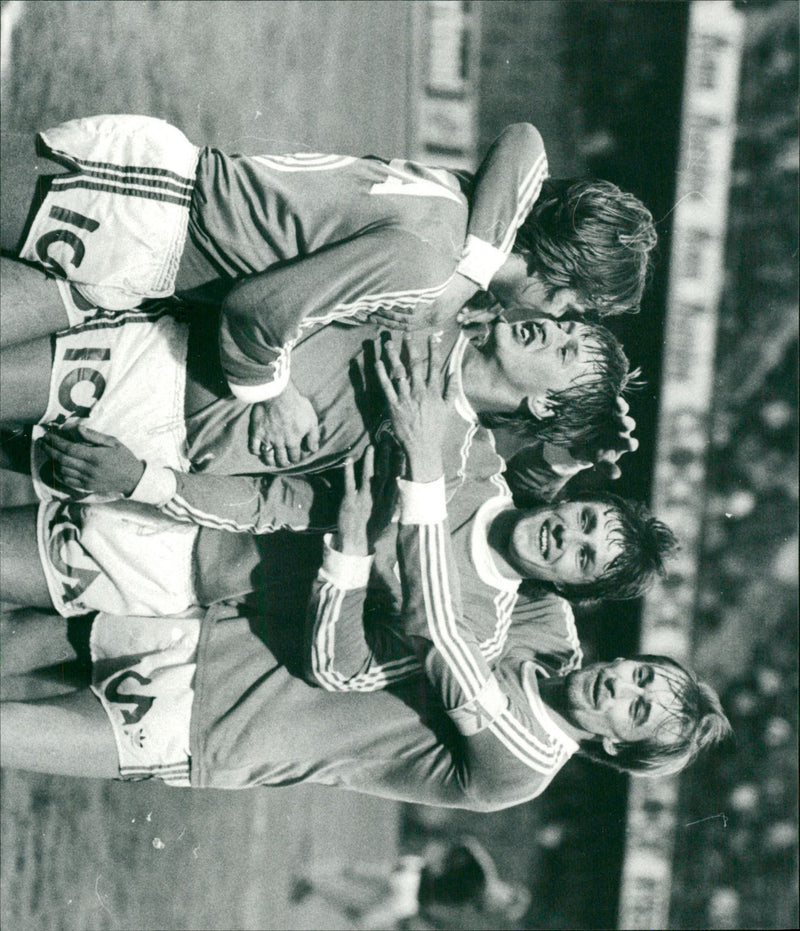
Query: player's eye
[568, 351]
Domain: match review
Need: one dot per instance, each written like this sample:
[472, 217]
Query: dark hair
[696, 724]
[584, 413]
[592, 237]
[646, 544]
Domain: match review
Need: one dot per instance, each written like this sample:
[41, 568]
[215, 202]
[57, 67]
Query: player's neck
[483, 384]
[555, 694]
[511, 275]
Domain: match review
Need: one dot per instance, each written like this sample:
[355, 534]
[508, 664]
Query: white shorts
[125, 375]
[123, 558]
[116, 224]
[143, 673]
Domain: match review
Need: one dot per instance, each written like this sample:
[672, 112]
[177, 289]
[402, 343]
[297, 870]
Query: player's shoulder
[543, 624]
[538, 602]
[523, 136]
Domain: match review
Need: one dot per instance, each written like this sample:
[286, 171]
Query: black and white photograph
[284, 285]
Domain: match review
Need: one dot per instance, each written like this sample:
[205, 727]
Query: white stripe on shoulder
[529, 191]
[543, 755]
[305, 161]
[493, 647]
[441, 615]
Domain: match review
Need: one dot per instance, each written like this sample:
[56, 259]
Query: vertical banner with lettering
[697, 269]
[448, 34]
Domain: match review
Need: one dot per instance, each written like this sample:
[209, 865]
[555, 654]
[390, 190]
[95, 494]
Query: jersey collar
[530, 686]
[453, 369]
[480, 550]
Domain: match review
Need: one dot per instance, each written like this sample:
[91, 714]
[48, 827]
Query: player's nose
[623, 688]
[571, 535]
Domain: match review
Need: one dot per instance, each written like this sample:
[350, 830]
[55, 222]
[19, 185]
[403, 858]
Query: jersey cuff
[422, 502]
[346, 572]
[480, 261]
[157, 485]
[253, 394]
[476, 715]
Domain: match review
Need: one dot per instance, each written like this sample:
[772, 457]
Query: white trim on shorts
[143, 673]
[116, 222]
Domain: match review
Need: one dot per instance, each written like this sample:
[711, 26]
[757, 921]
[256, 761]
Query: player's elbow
[322, 678]
[485, 799]
[332, 679]
[233, 305]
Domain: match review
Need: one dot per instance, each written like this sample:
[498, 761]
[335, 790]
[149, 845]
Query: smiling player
[206, 703]
[142, 212]
[557, 382]
[533, 375]
[512, 565]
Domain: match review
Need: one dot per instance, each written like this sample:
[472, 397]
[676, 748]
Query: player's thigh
[16, 488]
[25, 372]
[25, 174]
[32, 305]
[44, 655]
[70, 735]
[34, 639]
[22, 579]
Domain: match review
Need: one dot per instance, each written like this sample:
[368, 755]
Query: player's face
[572, 543]
[625, 700]
[542, 356]
[524, 296]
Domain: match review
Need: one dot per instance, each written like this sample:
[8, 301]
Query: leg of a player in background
[25, 372]
[44, 654]
[32, 306]
[351, 889]
[68, 736]
[22, 579]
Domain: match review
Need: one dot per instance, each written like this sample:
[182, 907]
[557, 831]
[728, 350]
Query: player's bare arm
[87, 460]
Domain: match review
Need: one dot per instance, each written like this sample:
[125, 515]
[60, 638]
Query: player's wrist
[350, 543]
[135, 474]
[423, 466]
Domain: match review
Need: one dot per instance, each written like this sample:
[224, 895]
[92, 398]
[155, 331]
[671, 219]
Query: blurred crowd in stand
[740, 871]
[736, 836]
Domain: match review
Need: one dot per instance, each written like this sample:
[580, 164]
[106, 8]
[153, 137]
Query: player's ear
[610, 747]
[565, 302]
[540, 407]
